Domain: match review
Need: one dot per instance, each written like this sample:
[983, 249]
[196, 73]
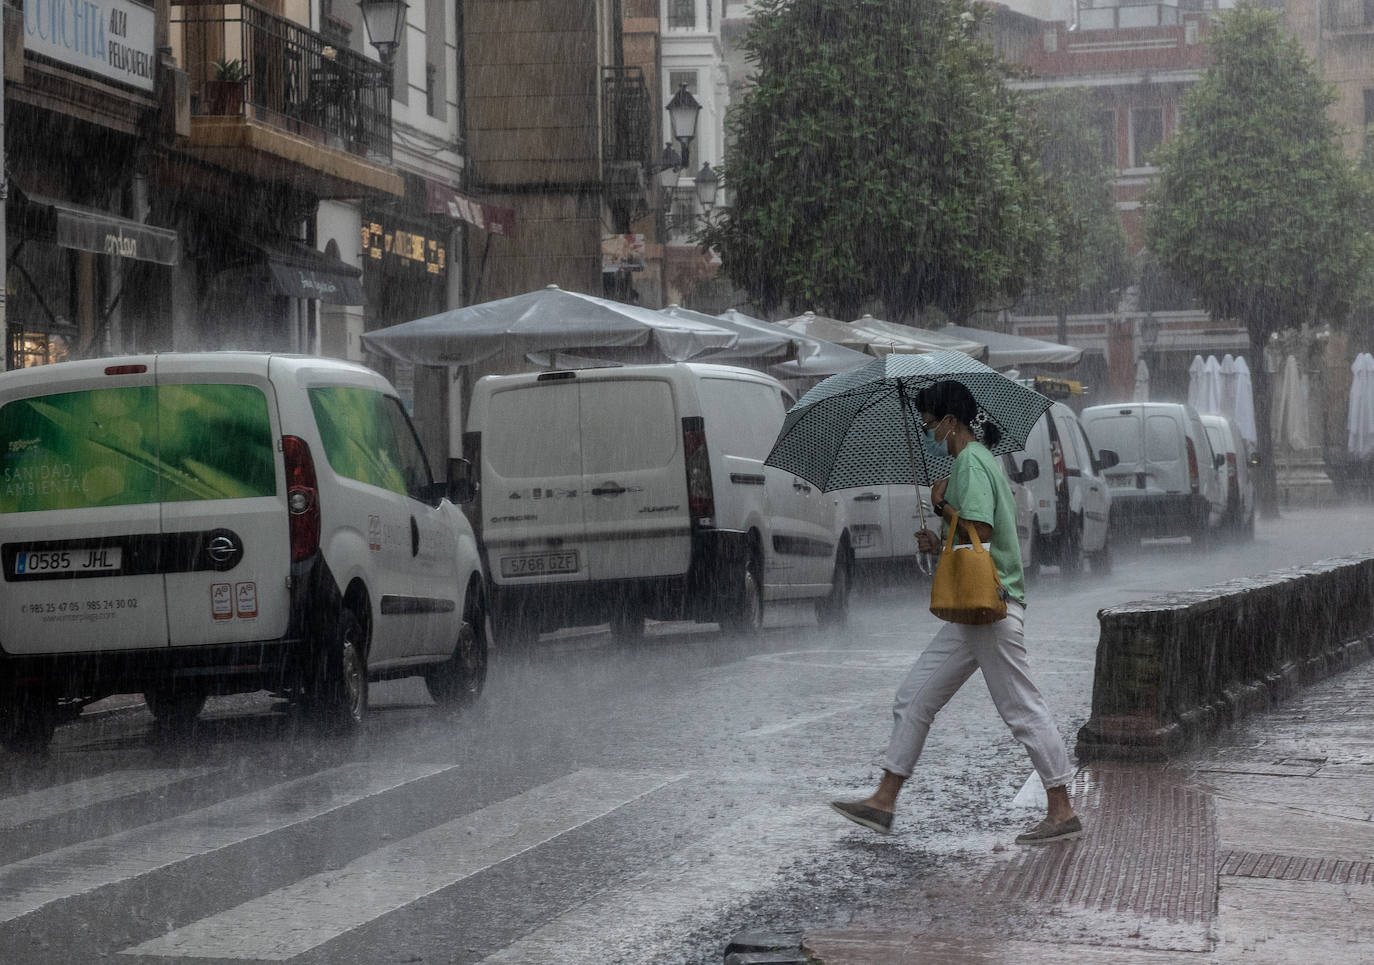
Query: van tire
[339, 694]
[27, 722]
[457, 682]
[832, 610]
[744, 612]
[175, 710]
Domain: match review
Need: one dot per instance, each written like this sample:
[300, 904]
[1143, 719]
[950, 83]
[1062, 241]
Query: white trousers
[952, 657]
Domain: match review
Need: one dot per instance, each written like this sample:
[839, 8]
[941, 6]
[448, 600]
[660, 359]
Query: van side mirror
[1030, 469]
[1107, 458]
[461, 487]
[1219, 460]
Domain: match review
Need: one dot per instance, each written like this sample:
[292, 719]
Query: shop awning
[75, 226]
[299, 271]
[491, 218]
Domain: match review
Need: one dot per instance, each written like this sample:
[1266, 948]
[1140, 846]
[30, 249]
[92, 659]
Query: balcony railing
[296, 79]
[627, 125]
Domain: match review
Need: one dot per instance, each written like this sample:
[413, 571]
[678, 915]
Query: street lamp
[682, 115]
[384, 21]
[707, 182]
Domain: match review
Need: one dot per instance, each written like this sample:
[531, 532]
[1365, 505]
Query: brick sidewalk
[1259, 848]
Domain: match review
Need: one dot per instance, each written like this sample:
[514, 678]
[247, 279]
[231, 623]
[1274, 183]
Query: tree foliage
[1256, 208]
[878, 157]
[1088, 262]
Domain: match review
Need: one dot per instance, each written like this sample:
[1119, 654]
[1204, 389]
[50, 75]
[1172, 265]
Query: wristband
[939, 507]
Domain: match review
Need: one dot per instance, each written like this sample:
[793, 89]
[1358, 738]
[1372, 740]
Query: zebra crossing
[663, 895]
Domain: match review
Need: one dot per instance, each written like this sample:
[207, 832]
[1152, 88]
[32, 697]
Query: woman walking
[979, 492]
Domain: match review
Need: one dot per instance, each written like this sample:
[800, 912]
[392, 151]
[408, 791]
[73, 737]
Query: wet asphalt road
[604, 803]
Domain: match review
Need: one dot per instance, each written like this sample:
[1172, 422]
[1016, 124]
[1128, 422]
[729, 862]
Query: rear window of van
[1120, 433]
[135, 444]
[1163, 441]
[534, 432]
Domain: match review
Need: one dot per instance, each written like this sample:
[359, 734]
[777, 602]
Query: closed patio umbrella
[1245, 403]
[1141, 392]
[1360, 420]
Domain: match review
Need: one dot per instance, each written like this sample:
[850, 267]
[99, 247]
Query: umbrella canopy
[1228, 385]
[1141, 393]
[1196, 374]
[1360, 422]
[762, 343]
[547, 320]
[1006, 351]
[922, 339]
[1290, 408]
[861, 428]
[1209, 390]
[817, 357]
[1245, 403]
[838, 333]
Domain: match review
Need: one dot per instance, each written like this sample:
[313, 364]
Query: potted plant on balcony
[224, 94]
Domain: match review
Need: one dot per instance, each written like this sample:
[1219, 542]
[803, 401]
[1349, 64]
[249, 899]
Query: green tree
[878, 158]
[1088, 264]
[1256, 208]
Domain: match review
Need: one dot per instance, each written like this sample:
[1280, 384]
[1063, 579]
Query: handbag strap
[972, 534]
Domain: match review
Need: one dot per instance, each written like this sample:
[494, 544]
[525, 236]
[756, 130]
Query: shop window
[27, 349]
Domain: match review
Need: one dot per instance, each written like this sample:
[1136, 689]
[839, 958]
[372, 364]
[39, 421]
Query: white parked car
[624, 493]
[1072, 501]
[1166, 481]
[184, 525]
[1227, 441]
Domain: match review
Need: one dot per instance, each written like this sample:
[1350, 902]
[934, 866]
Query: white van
[1227, 441]
[1072, 501]
[1166, 481]
[185, 525]
[624, 493]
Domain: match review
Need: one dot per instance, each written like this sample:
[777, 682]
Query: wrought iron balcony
[293, 79]
[626, 141]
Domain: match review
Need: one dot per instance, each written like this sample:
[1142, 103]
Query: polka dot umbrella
[861, 428]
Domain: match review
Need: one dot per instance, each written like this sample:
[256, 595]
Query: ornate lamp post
[384, 20]
[707, 182]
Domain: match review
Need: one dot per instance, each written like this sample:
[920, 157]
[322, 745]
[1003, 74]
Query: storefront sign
[403, 247]
[110, 38]
[491, 218]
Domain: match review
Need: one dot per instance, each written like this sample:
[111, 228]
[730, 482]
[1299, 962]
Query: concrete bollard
[1174, 669]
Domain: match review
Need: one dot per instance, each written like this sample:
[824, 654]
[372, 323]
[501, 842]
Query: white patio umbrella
[1210, 392]
[931, 340]
[759, 345]
[1196, 370]
[817, 358]
[1360, 419]
[1245, 403]
[1141, 392]
[1228, 385]
[547, 320]
[1290, 427]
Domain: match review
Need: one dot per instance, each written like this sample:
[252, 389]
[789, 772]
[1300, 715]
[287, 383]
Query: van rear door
[634, 480]
[226, 545]
[532, 501]
[82, 477]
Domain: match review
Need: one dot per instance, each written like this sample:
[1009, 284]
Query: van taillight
[1193, 480]
[302, 498]
[701, 498]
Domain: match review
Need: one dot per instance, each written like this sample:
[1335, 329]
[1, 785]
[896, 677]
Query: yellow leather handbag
[965, 588]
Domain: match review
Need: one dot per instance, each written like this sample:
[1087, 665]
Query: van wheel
[627, 625]
[832, 610]
[744, 614]
[1071, 549]
[1101, 561]
[458, 681]
[339, 696]
[174, 709]
[27, 722]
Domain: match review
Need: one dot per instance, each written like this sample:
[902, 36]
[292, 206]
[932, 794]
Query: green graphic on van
[138, 444]
[359, 436]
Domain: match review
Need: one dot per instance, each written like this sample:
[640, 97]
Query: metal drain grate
[1148, 848]
[1287, 867]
